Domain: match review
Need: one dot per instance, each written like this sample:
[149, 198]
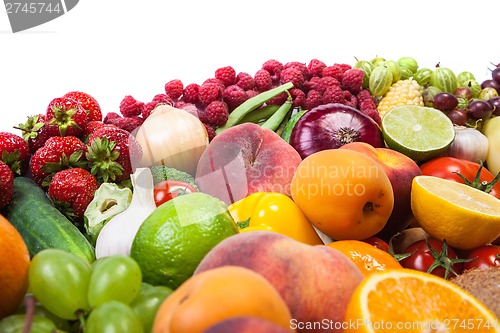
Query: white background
[112, 48]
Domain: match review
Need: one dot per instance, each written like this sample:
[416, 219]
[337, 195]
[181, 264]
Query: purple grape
[458, 117]
[495, 75]
[445, 101]
[491, 84]
[495, 102]
[463, 92]
[479, 109]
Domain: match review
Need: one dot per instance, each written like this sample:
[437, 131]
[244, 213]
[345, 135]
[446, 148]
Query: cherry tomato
[483, 257]
[378, 243]
[169, 189]
[433, 256]
[448, 167]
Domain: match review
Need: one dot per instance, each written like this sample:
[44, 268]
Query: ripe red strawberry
[6, 185]
[35, 131]
[112, 153]
[58, 153]
[68, 115]
[14, 152]
[88, 102]
[72, 190]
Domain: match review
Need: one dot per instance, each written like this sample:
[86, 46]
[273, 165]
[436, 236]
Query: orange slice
[404, 300]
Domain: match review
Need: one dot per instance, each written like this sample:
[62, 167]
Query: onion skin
[331, 126]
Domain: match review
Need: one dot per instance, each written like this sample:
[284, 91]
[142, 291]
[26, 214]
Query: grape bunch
[470, 103]
[75, 296]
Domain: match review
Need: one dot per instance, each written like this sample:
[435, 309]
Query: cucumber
[41, 224]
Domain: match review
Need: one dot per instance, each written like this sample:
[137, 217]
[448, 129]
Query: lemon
[419, 132]
[464, 216]
[173, 239]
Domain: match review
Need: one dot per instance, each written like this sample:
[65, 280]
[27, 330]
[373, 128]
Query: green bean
[260, 114]
[252, 104]
[275, 120]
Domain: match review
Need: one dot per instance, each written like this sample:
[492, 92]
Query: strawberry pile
[72, 148]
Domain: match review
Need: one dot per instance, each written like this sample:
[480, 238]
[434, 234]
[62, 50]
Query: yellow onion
[172, 137]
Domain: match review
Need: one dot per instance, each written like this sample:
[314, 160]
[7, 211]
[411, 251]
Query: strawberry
[58, 153]
[88, 102]
[68, 115]
[6, 185]
[35, 131]
[14, 152]
[112, 152]
[72, 190]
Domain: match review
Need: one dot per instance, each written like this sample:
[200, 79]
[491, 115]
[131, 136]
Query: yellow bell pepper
[276, 212]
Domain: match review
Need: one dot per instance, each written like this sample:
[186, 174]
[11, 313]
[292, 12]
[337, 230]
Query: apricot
[218, 294]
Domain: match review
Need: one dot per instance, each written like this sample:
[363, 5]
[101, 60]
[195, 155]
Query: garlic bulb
[117, 235]
[172, 137]
[469, 144]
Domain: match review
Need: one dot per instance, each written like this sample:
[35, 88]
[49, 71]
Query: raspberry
[245, 81]
[174, 88]
[278, 100]
[110, 116]
[294, 75]
[315, 67]
[311, 84]
[313, 99]
[336, 71]
[209, 92]
[274, 68]
[130, 107]
[162, 98]
[298, 97]
[326, 82]
[210, 131]
[333, 95]
[129, 123]
[190, 94]
[148, 108]
[350, 99]
[251, 93]
[215, 80]
[189, 107]
[353, 80]
[298, 65]
[263, 80]
[234, 95]
[365, 100]
[227, 75]
[217, 113]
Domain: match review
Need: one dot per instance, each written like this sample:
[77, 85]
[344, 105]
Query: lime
[419, 132]
[173, 239]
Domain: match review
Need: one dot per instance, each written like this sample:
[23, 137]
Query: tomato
[378, 243]
[433, 256]
[169, 189]
[448, 167]
[483, 257]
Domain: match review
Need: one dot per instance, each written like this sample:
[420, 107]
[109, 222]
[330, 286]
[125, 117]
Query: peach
[400, 169]
[315, 281]
[246, 325]
[245, 159]
[218, 294]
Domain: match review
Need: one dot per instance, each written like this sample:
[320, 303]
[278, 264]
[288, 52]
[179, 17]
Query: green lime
[173, 239]
[419, 132]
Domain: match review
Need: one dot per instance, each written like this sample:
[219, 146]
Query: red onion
[331, 126]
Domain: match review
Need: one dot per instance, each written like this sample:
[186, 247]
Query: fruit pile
[251, 192]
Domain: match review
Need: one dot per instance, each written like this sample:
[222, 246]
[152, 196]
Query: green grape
[41, 311]
[59, 280]
[113, 317]
[16, 322]
[147, 302]
[114, 278]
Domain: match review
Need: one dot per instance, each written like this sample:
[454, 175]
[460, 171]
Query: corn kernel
[402, 92]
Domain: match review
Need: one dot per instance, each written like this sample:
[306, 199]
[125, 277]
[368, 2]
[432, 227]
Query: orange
[405, 300]
[343, 193]
[14, 265]
[367, 257]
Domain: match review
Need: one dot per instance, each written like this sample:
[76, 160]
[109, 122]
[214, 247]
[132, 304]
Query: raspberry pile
[315, 83]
